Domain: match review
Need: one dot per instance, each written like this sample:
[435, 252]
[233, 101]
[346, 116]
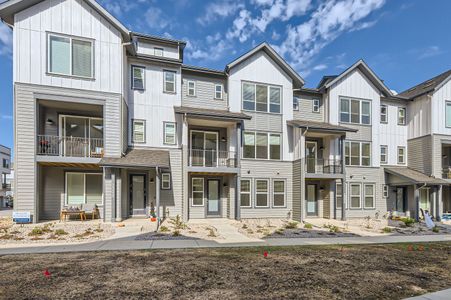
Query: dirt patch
[317, 272]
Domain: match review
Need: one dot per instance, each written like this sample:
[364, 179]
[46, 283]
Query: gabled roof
[325, 80]
[427, 86]
[9, 8]
[297, 79]
[414, 177]
[362, 66]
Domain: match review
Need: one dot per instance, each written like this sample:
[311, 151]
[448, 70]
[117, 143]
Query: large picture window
[357, 154]
[262, 145]
[84, 188]
[70, 56]
[261, 97]
[245, 193]
[355, 111]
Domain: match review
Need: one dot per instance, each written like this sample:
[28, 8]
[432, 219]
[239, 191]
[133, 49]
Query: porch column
[343, 179]
[118, 195]
[303, 183]
[185, 158]
[439, 204]
[416, 197]
[434, 201]
[157, 194]
[238, 197]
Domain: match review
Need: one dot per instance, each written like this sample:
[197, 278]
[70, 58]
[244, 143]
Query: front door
[400, 199]
[310, 156]
[312, 201]
[213, 198]
[138, 197]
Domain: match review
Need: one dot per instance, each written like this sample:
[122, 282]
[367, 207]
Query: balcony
[49, 145]
[212, 158]
[323, 166]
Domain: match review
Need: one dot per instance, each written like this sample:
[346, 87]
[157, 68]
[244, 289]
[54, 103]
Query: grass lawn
[321, 272]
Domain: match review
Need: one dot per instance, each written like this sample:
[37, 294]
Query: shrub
[387, 230]
[60, 232]
[164, 229]
[408, 221]
[291, 225]
[178, 223]
[36, 231]
[244, 226]
[436, 229]
[176, 233]
[333, 228]
[211, 232]
[308, 226]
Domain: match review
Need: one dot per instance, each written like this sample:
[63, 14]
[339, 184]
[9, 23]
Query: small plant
[47, 228]
[333, 228]
[436, 229]
[98, 229]
[387, 230]
[244, 226]
[211, 232]
[176, 233]
[164, 229]
[408, 221]
[60, 232]
[291, 225]
[368, 222]
[178, 223]
[250, 231]
[36, 231]
[308, 226]
[279, 231]
[6, 236]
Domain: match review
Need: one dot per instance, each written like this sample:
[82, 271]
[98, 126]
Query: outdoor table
[65, 213]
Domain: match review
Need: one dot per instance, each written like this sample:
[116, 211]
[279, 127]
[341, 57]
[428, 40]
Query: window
[401, 116]
[84, 188]
[355, 195]
[315, 105]
[6, 163]
[191, 88]
[357, 153]
[339, 195]
[278, 193]
[261, 191]
[384, 157]
[401, 155]
[368, 190]
[70, 56]
[245, 193]
[166, 181]
[261, 97]
[296, 103]
[197, 193]
[169, 81]
[355, 111]
[158, 51]
[218, 91]
[383, 113]
[138, 78]
[169, 133]
[139, 131]
[261, 145]
[448, 114]
[385, 190]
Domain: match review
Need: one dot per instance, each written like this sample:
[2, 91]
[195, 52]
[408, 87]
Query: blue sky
[404, 42]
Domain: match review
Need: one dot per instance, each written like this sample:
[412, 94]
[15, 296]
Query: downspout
[157, 195]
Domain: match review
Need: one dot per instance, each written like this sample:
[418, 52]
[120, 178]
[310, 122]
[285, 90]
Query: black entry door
[138, 195]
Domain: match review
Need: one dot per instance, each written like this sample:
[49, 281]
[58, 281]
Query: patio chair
[90, 209]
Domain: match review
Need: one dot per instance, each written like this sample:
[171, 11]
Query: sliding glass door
[81, 136]
[204, 148]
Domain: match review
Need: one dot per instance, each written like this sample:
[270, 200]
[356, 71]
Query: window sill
[70, 76]
[138, 89]
[262, 112]
[170, 93]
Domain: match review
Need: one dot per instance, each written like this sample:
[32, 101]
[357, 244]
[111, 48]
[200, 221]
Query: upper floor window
[355, 111]
[295, 103]
[6, 163]
[384, 114]
[158, 51]
[138, 78]
[169, 81]
[169, 133]
[191, 88]
[256, 145]
[401, 155]
[357, 153]
[261, 97]
[315, 105]
[70, 56]
[448, 114]
[401, 116]
[218, 91]
[384, 157]
[139, 131]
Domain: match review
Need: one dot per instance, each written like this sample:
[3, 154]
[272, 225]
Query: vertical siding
[147, 48]
[205, 92]
[297, 188]
[438, 105]
[419, 118]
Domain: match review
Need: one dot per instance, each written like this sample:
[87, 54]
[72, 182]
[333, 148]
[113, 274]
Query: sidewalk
[129, 243]
[440, 295]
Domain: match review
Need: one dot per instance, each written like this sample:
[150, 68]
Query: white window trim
[188, 88]
[155, 49]
[284, 193]
[338, 196]
[49, 34]
[165, 133]
[267, 193]
[192, 192]
[268, 104]
[386, 114]
[316, 105]
[133, 131]
[385, 191]
[403, 156]
[349, 99]
[447, 103]
[164, 81]
[84, 184]
[404, 117]
[351, 195]
[222, 91]
[268, 136]
[364, 196]
[386, 154]
[360, 153]
[296, 100]
[250, 192]
[168, 180]
[133, 78]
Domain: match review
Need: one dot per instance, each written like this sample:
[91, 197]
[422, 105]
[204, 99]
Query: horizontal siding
[305, 111]
[172, 199]
[52, 192]
[205, 92]
[364, 133]
[264, 122]
[297, 188]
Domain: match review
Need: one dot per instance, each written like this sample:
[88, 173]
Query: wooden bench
[65, 213]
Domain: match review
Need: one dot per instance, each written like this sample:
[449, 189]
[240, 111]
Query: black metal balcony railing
[212, 158]
[6, 186]
[323, 166]
[69, 146]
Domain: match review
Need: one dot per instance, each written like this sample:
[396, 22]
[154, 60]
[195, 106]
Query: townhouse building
[111, 117]
[5, 170]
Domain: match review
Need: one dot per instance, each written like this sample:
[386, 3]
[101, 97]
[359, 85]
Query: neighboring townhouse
[5, 170]
[114, 118]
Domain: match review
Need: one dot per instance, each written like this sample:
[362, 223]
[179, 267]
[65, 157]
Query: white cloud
[326, 23]
[427, 52]
[220, 9]
[6, 40]
[212, 49]
[275, 35]
[239, 29]
[156, 19]
[118, 7]
[320, 67]
[7, 117]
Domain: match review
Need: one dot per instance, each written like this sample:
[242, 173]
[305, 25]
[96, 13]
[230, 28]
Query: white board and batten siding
[438, 109]
[69, 17]
[419, 117]
[148, 48]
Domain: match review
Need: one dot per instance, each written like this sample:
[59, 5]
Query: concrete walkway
[440, 295]
[129, 243]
